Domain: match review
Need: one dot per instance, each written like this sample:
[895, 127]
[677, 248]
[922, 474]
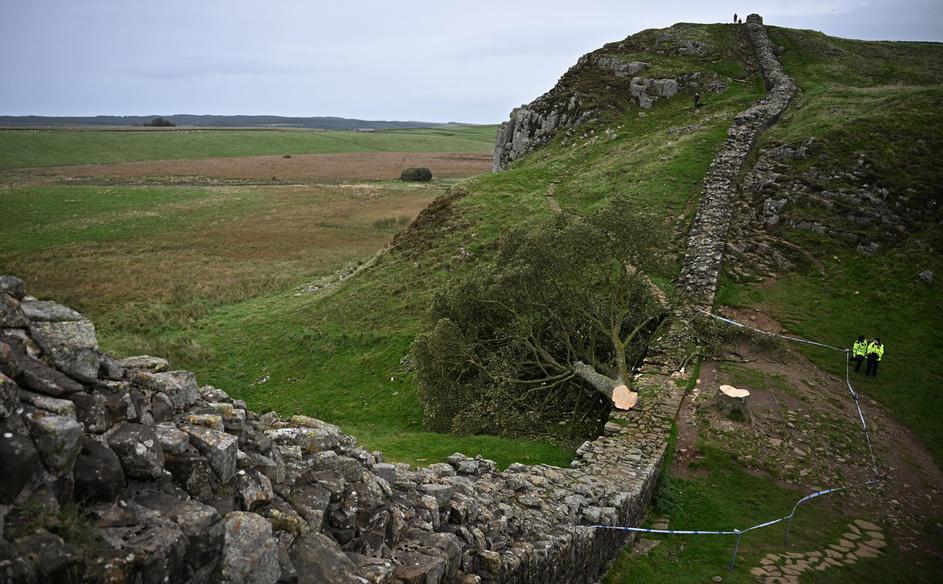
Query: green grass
[878, 296]
[339, 357]
[51, 216]
[879, 101]
[34, 148]
[729, 497]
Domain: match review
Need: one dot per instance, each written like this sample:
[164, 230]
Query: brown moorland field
[327, 168]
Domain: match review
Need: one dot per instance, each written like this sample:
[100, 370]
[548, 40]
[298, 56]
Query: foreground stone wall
[126, 471]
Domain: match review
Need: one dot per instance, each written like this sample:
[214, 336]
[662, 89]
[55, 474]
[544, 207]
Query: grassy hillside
[31, 148]
[862, 101]
[340, 355]
[875, 109]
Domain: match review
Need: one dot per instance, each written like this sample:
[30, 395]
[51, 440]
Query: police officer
[875, 353]
[858, 352]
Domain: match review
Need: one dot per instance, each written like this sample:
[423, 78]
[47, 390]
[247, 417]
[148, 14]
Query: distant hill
[211, 121]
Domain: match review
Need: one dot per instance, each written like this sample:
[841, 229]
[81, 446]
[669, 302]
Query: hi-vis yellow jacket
[876, 349]
[859, 349]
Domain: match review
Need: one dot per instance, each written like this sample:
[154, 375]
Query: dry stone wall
[704, 255]
[177, 482]
[127, 471]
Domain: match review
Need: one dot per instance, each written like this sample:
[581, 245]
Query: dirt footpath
[804, 433]
[326, 168]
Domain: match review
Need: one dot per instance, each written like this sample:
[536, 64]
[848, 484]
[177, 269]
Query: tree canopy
[540, 338]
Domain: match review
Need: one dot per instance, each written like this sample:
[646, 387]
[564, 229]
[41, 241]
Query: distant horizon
[138, 119]
[416, 60]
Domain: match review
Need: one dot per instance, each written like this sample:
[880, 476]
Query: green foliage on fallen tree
[534, 341]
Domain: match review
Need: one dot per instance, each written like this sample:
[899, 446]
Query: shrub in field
[160, 123]
[416, 174]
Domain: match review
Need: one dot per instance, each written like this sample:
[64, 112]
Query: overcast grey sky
[419, 60]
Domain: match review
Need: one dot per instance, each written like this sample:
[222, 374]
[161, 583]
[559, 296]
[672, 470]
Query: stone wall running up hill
[704, 254]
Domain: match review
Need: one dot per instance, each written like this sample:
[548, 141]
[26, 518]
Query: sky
[429, 60]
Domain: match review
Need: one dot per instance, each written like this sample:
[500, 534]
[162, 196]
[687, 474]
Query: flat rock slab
[219, 448]
[250, 555]
[139, 450]
[72, 346]
[57, 438]
[155, 364]
[48, 311]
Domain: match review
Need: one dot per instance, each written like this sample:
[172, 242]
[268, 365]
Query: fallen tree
[549, 334]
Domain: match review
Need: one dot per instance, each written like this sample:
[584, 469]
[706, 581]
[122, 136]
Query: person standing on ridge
[735, 18]
[859, 351]
[875, 354]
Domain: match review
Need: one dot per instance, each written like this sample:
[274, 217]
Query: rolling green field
[34, 148]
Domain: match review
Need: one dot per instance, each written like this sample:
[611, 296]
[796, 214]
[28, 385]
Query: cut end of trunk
[624, 398]
[731, 391]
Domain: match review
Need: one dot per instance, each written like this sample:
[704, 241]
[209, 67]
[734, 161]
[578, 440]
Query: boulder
[11, 315]
[308, 439]
[54, 560]
[51, 405]
[159, 552]
[13, 286]
[414, 567]
[155, 364]
[212, 421]
[179, 386]
[319, 560]
[201, 523]
[71, 346]
[218, 447]
[47, 311]
[234, 419]
[9, 396]
[926, 276]
[273, 468]
[139, 450]
[172, 439]
[386, 471]
[311, 502]
[98, 474]
[57, 438]
[91, 409]
[249, 555]
[31, 373]
[253, 489]
[19, 462]
[193, 473]
[109, 369]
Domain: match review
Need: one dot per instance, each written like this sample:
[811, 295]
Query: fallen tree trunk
[614, 389]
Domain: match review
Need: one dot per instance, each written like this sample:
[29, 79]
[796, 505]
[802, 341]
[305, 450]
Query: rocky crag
[126, 471]
[575, 99]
